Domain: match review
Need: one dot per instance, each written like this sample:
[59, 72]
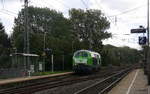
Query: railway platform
[23, 79]
[134, 83]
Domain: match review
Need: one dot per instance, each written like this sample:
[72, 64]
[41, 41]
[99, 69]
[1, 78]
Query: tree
[64, 35]
[4, 47]
[90, 26]
[42, 20]
[120, 55]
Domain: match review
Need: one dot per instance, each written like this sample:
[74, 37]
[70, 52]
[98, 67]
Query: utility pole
[26, 35]
[148, 52]
[90, 28]
[148, 23]
[45, 32]
[44, 45]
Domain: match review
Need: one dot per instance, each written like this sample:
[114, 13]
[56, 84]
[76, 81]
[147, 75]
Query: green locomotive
[86, 61]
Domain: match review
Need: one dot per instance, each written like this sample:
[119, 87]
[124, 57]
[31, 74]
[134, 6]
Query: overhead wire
[128, 39]
[7, 13]
[51, 6]
[83, 2]
[10, 11]
[98, 5]
[5, 10]
[127, 11]
[48, 4]
[65, 5]
[124, 12]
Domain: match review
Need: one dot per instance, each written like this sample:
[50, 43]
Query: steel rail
[106, 81]
[48, 84]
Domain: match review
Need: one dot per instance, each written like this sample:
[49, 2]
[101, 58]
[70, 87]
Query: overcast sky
[123, 15]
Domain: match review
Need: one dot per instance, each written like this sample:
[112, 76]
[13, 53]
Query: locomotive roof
[92, 52]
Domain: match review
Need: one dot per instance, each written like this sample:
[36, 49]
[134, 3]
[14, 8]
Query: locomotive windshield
[81, 54]
[84, 54]
[77, 54]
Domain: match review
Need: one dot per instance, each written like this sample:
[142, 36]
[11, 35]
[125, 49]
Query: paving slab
[134, 83]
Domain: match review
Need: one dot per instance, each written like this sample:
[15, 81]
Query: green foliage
[42, 20]
[90, 26]
[120, 55]
[63, 35]
[4, 47]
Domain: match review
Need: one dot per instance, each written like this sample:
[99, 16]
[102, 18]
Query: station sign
[138, 30]
[142, 40]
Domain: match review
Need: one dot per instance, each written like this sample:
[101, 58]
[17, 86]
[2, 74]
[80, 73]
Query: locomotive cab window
[84, 54]
[78, 54]
[81, 54]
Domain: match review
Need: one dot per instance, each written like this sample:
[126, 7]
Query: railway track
[62, 81]
[24, 87]
[103, 86]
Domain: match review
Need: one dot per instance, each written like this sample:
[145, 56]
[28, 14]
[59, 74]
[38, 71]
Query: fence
[11, 73]
[61, 62]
